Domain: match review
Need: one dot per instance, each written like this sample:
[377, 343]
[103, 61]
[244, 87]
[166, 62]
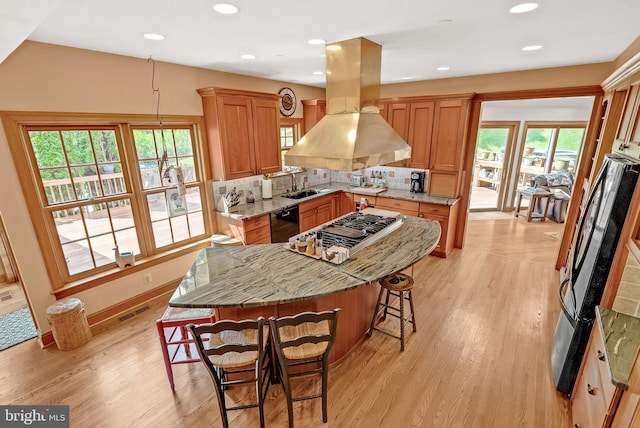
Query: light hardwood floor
[480, 358]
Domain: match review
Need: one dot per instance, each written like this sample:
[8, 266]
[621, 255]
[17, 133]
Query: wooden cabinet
[435, 128]
[399, 205]
[313, 111]
[448, 132]
[346, 203]
[316, 212]
[595, 398]
[445, 215]
[420, 133]
[255, 230]
[243, 132]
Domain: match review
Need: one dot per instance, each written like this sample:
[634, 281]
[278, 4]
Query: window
[99, 186]
[289, 136]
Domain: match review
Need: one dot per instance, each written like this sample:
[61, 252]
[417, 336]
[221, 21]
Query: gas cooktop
[352, 229]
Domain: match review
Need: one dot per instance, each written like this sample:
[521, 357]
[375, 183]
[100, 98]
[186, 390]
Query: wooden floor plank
[480, 358]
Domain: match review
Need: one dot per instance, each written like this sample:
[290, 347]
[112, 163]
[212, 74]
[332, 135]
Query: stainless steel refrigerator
[594, 246]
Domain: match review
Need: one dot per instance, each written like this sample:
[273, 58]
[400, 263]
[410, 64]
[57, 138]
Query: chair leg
[325, 372]
[401, 321]
[165, 353]
[259, 392]
[386, 305]
[375, 312]
[413, 312]
[222, 404]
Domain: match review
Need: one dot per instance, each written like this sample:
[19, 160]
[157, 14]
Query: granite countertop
[266, 206]
[621, 334]
[269, 274]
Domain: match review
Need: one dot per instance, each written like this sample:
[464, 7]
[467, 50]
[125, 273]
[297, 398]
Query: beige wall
[559, 77]
[42, 77]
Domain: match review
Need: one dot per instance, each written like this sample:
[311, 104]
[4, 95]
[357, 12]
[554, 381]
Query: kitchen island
[270, 280]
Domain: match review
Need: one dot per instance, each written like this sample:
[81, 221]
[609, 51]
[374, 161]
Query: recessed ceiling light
[406, 78]
[334, 48]
[248, 56]
[443, 68]
[318, 73]
[316, 42]
[225, 8]
[523, 7]
[445, 21]
[532, 48]
[153, 36]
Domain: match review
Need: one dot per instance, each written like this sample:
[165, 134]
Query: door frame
[507, 163]
[587, 152]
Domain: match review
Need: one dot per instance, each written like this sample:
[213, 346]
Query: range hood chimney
[352, 135]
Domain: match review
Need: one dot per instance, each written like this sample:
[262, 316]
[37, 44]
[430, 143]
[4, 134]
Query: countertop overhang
[270, 274]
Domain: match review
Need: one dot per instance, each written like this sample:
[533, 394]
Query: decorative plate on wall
[287, 102]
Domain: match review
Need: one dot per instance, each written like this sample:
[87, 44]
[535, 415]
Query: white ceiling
[483, 36]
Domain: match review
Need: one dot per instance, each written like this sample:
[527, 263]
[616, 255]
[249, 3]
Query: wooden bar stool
[230, 348]
[399, 285]
[302, 344]
[175, 342]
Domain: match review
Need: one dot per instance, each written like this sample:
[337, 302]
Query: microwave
[357, 180]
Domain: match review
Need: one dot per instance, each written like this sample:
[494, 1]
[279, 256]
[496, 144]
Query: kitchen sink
[301, 194]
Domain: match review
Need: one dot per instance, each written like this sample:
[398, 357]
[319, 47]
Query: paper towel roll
[267, 190]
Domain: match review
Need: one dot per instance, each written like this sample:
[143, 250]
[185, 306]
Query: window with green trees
[101, 186]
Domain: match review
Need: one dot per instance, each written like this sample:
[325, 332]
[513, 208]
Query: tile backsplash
[627, 299]
[396, 178]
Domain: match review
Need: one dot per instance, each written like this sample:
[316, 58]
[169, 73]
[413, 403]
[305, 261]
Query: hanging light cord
[156, 91]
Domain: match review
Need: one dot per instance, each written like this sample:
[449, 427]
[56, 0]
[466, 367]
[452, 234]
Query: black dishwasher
[284, 224]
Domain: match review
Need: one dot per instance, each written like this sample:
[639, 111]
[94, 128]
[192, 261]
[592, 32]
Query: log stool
[224, 240]
[399, 285]
[68, 323]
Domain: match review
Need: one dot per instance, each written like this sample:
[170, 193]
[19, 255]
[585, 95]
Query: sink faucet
[294, 186]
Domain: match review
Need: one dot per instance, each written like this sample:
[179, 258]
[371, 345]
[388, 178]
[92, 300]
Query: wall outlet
[146, 279]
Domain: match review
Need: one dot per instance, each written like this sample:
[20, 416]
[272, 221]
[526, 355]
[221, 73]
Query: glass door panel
[565, 156]
[488, 171]
[535, 159]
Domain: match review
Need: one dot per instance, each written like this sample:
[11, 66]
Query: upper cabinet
[243, 132]
[435, 129]
[313, 111]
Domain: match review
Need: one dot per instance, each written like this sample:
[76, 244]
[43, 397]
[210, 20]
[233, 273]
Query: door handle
[563, 285]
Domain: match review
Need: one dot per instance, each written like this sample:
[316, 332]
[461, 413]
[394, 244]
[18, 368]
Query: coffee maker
[417, 181]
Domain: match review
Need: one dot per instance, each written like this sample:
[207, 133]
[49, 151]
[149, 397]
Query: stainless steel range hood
[352, 135]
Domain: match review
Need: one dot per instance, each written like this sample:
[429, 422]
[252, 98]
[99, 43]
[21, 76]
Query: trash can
[68, 323]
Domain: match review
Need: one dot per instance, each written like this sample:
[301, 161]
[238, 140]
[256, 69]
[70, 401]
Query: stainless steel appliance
[357, 180]
[593, 250]
[417, 181]
[285, 224]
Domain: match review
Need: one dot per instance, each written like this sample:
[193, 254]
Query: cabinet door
[398, 118]
[266, 119]
[448, 131]
[236, 130]
[324, 213]
[441, 249]
[346, 203]
[308, 220]
[630, 113]
[313, 111]
[588, 404]
[420, 130]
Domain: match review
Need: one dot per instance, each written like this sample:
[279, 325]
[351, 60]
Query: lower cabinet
[446, 215]
[595, 398]
[403, 207]
[255, 230]
[315, 212]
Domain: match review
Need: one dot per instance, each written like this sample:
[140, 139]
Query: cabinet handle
[590, 389]
[600, 355]
[577, 426]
